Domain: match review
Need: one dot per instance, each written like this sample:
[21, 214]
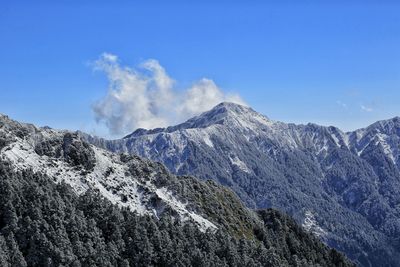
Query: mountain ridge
[304, 170]
[67, 202]
[233, 110]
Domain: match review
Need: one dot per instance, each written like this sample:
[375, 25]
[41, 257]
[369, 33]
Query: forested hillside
[43, 223]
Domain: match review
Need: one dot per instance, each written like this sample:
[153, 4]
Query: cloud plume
[146, 97]
[366, 108]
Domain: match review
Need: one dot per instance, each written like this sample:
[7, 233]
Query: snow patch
[203, 223]
[237, 162]
[336, 140]
[110, 177]
[382, 140]
[311, 225]
[201, 136]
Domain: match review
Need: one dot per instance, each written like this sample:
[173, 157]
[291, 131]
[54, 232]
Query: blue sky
[336, 63]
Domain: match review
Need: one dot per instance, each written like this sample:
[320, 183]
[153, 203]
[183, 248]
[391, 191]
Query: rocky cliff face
[342, 186]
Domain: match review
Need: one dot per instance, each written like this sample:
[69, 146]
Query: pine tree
[16, 257]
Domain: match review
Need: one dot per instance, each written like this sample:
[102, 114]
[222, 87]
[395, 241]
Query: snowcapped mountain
[61, 199]
[342, 186]
[384, 135]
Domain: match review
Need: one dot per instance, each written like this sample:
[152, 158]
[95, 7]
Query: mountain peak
[223, 113]
[230, 108]
[389, 126]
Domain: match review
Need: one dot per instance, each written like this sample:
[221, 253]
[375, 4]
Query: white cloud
[340, 103]
[145, 97]
[366, 109]
[110, 57]
[202, 96]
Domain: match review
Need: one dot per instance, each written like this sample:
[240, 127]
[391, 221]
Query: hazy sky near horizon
[336, 63]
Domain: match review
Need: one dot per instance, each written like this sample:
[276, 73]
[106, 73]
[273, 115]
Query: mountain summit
[341, 186]
[225, 113]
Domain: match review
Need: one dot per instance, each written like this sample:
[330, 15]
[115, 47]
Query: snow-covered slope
[125, 180]
[385, 134]
[348, 182]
